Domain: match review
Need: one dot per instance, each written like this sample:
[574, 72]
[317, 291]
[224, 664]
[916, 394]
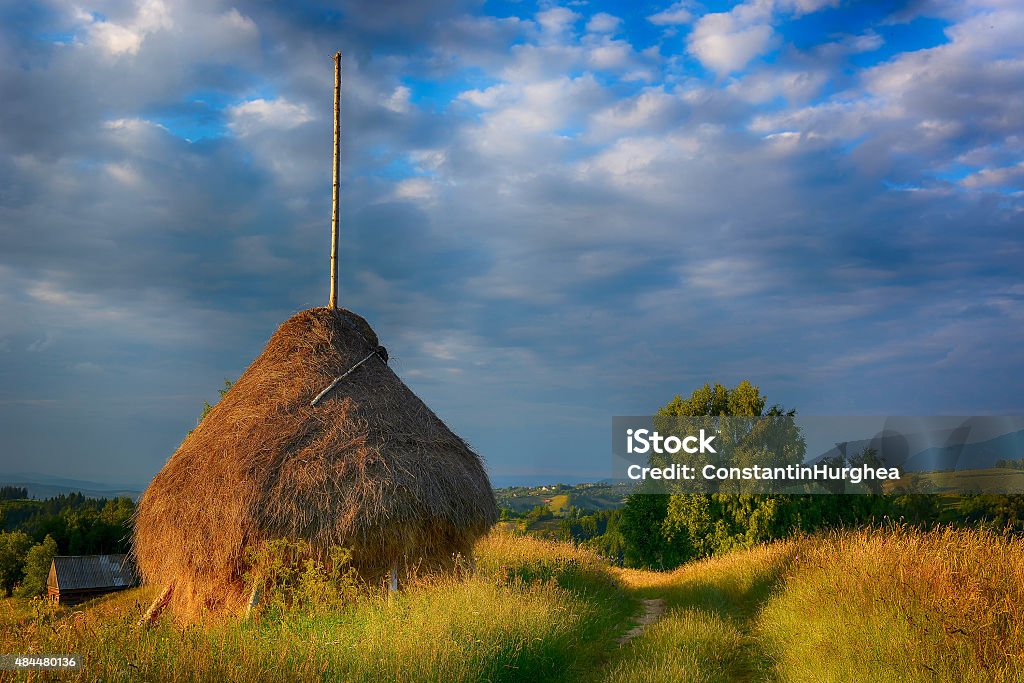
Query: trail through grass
[653, 609]
[708, 630]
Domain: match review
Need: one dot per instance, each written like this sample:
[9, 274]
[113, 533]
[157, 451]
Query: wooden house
[76, 578]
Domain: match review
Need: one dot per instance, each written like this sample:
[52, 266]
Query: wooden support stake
[393, 581]
[157, 607]
[334, 189]
[254, 599]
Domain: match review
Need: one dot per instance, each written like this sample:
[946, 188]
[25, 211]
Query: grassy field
[559, 504]
[892, 605]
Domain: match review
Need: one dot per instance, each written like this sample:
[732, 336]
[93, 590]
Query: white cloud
[418, 189]
[398, 101]
[237, 21]
[933, 105]
[673, 15]
[1005, 177]
[725, 43]
[728, 41]
[602, 22]
[260, 115]
[489, 97]
[799, 7]
[557, 20]
[612, 54]
[126, 38]
[651, 110]
[428, 159]
[541, 107]
[768, 84]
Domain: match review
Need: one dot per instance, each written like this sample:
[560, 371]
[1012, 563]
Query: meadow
[890, 604]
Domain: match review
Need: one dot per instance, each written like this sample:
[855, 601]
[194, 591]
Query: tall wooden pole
[334, 193]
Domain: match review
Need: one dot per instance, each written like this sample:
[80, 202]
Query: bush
[290, 575]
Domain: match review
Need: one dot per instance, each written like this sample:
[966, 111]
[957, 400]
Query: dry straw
[370, 467]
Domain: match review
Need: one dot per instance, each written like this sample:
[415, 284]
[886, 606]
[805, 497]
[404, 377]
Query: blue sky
[552, 213]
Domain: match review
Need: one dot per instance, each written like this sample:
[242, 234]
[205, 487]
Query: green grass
[559, 504]
[880, 605]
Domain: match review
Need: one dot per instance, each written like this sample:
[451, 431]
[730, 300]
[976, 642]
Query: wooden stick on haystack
[334, 188]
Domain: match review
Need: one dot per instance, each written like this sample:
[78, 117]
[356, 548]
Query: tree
[640, 526]
[663, 530]
[37, 567]
[744, 399]
[13, 492]
[14, 545]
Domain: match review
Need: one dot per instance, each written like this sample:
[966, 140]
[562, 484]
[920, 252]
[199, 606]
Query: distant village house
[76, 578]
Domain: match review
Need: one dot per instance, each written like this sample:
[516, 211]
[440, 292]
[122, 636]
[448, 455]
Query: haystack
[370, 468]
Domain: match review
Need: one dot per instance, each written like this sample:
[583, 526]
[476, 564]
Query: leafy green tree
[14, 545]
[37, 568]
[641, 523]
[744, 399]
[699, 524]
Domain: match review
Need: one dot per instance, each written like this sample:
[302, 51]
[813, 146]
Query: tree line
[663, 531]
[33, 531]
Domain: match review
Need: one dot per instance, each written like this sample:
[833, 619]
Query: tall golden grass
[875, 605]
[898, 604]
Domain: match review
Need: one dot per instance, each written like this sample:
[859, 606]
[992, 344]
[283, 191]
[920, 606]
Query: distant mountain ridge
[912, 453]
[48, 486]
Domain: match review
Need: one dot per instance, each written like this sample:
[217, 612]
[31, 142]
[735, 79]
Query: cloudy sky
[552, 213]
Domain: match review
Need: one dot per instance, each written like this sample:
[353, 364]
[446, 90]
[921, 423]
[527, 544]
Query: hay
[370, 468]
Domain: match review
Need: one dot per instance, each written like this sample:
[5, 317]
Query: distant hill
[560, 497]
[971, 456]
[913, 453]
[47, 486]
[988, 480]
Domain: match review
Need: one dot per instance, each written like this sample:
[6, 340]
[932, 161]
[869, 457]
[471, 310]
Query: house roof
[75, 572]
